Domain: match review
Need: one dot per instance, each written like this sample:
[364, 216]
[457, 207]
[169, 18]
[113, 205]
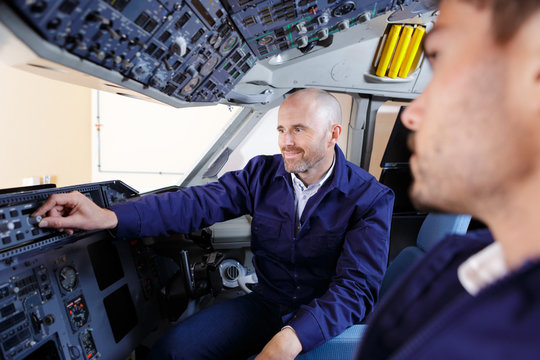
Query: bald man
[320, 234]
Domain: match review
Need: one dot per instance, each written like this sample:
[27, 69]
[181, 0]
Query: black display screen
[397, 152]
[121, 312]
[47, 351]
[105, 262]
[399, 180]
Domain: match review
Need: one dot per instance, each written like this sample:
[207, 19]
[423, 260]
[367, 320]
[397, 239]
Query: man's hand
[285, 345]
[67, 212]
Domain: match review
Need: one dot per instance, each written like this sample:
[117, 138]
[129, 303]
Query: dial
[68, 278]
[228, 45]
[77, 313]
[344, 9]
[209, 65]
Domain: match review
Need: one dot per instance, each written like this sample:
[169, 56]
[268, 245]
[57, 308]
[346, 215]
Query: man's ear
[336, 131]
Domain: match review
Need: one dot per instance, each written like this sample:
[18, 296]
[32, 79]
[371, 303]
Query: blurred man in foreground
[476, 151]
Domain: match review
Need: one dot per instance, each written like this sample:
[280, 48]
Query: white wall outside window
[149, 145]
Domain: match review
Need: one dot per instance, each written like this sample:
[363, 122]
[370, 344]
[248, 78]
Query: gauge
[265, 40]
[213, 39]
[68, 278]
[88, 344]
[77, 313]
[190, 86]
[344, 9]
[229, 44]
[209, 65]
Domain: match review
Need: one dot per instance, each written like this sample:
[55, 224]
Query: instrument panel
[80, 296]
[19, 233]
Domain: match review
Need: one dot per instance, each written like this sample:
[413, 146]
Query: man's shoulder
[461, 245]
[265, 161]
[357, 181]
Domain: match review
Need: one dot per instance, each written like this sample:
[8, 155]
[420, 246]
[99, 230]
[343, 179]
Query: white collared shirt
[483, 269]
[302, 193]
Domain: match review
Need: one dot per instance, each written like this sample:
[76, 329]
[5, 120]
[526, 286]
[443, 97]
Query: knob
[94, 16]
[179, 46]
[301, 27]
[34, 221]
[6, 227]
[38, 6]
[364, 17]
[323, 19]
[156, 82]
[48, 320]
[54, 24]
[98, 53]
[191, 71]
[74, 352]
[302, 41]
[113, 33]
[344, 25]
[322, 34]
[117, 59]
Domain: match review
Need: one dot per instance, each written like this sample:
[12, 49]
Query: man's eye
[298, 129]
[432, 56]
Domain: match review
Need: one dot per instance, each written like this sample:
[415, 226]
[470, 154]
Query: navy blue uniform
[328, 273]
[429, 315]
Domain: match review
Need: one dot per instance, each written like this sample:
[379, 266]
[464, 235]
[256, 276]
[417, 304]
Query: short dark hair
[508, 15]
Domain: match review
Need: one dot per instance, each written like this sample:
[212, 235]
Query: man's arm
[285, 345]
[354, 289]
[75, 211]
[183, 211]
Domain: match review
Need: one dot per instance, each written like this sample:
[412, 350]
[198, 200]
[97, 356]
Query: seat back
[434, 228]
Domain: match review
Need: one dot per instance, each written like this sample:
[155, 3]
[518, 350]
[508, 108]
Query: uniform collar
[483, 269]
[296, 180]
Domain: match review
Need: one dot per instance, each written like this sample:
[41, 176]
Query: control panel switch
[7, 226]
[302, 41]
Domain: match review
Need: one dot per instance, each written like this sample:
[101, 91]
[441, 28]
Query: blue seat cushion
[341, 347]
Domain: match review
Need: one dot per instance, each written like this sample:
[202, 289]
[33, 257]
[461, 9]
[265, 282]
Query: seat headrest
[436, 226]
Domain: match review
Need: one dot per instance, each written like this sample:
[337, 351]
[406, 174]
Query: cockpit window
[149, 145]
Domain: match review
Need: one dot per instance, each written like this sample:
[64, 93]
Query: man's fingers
[56, 201]
[59, 222]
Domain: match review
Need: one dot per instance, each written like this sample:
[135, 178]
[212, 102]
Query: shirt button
[298, 288]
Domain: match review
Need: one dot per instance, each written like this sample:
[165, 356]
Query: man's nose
[412, 115]
[288, 139]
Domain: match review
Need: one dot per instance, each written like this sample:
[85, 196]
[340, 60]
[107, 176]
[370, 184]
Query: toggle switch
[344, 25]
[322, 34]
[302, 41]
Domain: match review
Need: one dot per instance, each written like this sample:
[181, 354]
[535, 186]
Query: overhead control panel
[271, 27]
[191, 51]
[180, 48]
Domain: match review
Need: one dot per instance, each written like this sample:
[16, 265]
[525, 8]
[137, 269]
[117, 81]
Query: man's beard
[304, 163]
